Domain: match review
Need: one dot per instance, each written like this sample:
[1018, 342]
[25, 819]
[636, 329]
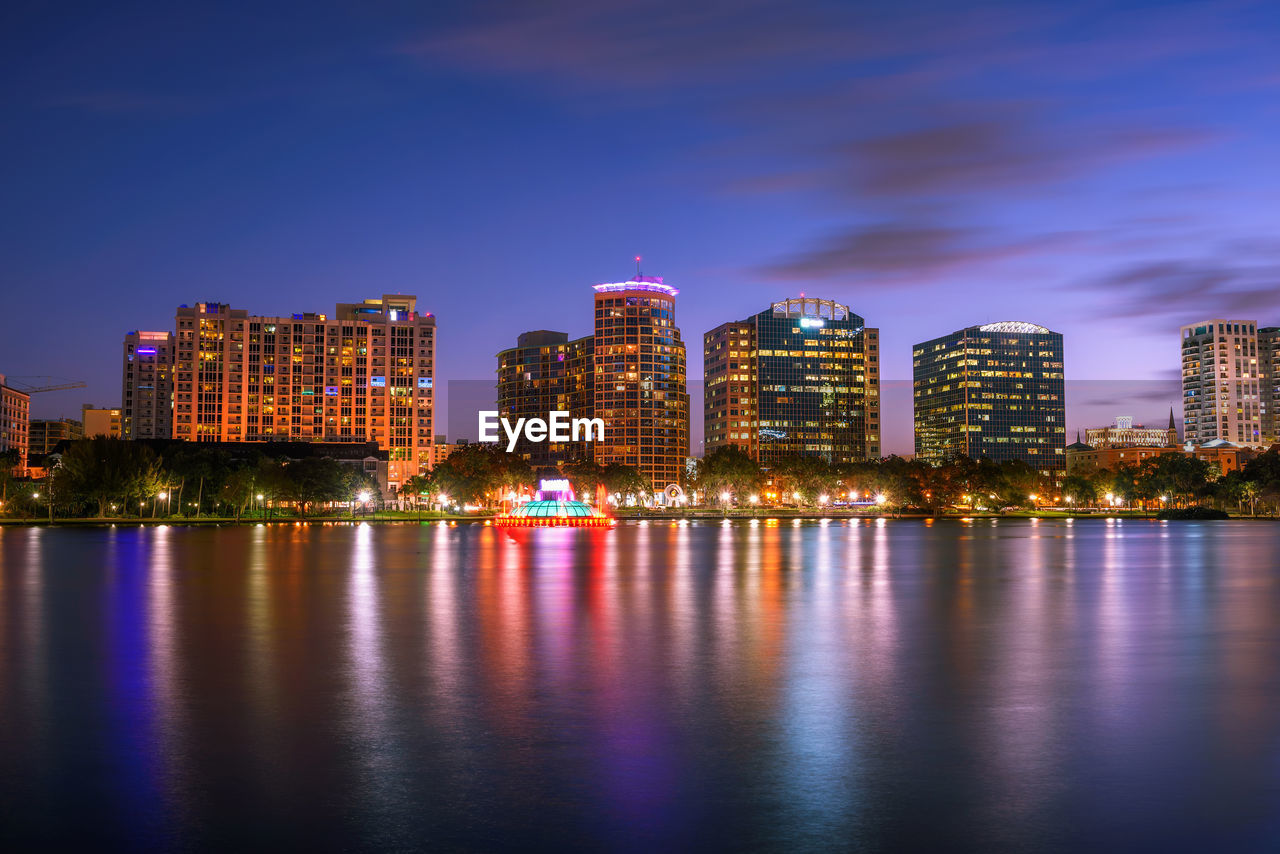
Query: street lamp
[882, 499]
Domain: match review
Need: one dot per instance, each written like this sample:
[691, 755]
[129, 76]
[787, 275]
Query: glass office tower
[800, 378]
[546, 372]
[994, 391]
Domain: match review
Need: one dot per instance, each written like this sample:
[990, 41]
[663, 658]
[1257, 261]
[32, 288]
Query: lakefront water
[873, 686]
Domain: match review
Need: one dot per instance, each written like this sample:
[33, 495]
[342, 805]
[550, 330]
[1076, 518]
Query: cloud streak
[912, 252]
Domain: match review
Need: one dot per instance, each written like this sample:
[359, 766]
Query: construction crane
[44, 384]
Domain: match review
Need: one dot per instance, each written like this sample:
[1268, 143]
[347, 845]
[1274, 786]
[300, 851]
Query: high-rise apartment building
[546, 372]
[800, 378]
[45, 434]
[15, 419]
[640, 389]
[1223, 383]
[994, 391]
[365, 375]
[147, 386]
[101, 421]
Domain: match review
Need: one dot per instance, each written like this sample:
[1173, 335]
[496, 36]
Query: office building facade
[365, 375]
[146, 395]
[994, 391]
[1223, 383]
[800, 378]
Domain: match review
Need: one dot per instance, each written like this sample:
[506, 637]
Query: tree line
[108, 477]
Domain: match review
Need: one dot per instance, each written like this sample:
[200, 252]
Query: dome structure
[554, 514]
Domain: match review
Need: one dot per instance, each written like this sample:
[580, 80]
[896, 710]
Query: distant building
[800, 378]
[995, 391]
[147, 386]
[1222, 383]
[15, 417]
[547, 372]
[100, 421]
[1083, 456]
[446, 449]
[1227, 456]
[365, 375]
[45, 434]
[1124, 433]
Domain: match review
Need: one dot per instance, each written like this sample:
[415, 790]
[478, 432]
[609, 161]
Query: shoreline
[689, 516]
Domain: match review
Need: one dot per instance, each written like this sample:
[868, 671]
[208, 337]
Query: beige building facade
[367, 374]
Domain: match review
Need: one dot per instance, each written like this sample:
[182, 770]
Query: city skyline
[1114, 188]
[1095, 401]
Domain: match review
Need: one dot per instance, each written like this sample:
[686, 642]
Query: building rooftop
[1019, 326]
[639, 283]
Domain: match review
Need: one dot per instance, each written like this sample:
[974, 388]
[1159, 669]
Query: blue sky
[1107, 169]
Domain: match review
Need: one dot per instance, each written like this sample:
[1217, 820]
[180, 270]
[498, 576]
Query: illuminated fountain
[554, 506]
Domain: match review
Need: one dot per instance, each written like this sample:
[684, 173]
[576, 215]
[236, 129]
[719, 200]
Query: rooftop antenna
[637, 266]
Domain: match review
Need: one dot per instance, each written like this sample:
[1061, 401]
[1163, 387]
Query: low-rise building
[1083, 457]
[101, 421]
[1227, 456]
[45, 434]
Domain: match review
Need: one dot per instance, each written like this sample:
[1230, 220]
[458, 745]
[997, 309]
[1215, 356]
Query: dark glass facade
[546, 372]
[994, 391]
[799, 378]
[1269, 388]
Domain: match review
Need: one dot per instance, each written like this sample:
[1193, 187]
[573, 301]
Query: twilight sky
[1111, 170]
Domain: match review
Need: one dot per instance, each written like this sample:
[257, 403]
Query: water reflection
[1024, 686]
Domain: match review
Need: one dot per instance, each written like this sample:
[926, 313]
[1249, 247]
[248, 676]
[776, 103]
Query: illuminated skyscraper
[801, 377]
[1222, 382]
[640, 389]
[993, 391]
